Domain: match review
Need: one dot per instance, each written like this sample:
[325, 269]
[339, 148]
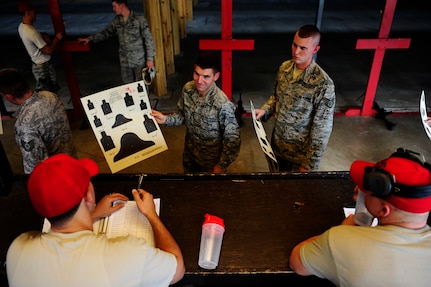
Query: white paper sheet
[424, 115]
[261, 135]
[1, 125]
[122, 124]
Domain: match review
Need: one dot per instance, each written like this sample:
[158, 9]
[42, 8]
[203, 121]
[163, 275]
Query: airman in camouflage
[46, 77]
[136, 46]
[303, 102]
[212, 139]
[42, 128]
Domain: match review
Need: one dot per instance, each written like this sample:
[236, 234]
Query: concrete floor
[352, 138]
[404, 75]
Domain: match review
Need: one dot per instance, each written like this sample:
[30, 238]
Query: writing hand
[106, 205]
[144, 202]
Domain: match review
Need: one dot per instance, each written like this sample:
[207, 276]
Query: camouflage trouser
[285, 165]
[130, 75]
[191, 166]
[46, 78]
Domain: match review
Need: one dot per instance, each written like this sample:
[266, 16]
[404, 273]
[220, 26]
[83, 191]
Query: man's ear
[90, 196]
[316, 49]
[216, 76]
[385, 209]
[10, 98]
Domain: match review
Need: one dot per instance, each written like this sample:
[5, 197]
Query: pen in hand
[141, 179]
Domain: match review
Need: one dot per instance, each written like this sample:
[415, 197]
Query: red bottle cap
[213, 219]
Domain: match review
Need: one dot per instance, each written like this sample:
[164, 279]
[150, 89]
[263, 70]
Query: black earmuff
[410, 155]
[381, 183]
[378, 181]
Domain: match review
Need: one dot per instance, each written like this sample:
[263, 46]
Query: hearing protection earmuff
[381, 183]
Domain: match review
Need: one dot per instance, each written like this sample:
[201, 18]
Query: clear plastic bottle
[362, 215]
[211, 241]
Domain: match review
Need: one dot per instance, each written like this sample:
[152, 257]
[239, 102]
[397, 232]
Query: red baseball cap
[24, 6]
[59, 183]
[404, 171]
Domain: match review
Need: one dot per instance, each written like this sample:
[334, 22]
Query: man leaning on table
[397, 251]
[71, 254]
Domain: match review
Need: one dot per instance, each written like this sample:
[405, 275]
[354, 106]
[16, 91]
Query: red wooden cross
[226, 44]
[65, 49]
[380, 44]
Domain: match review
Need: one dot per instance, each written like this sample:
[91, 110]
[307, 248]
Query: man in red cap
[70, 253]
[39, 47]
[397, 251]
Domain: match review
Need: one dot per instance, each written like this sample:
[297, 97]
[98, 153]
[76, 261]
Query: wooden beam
[182, 17]
[380, 46]
[189, 10]
[165, 6]
[153, 15]
[176, 36]
[65, 48]
[226, 44]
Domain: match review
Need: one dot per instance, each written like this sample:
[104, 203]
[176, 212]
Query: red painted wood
[226, 19]
[65, 48]
[383, 44]
[380, 45]
[226, 44]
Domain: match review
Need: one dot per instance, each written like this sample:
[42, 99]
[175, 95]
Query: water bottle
[362, 215]
[211, 241]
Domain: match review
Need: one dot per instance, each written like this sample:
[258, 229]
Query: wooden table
[265, 216]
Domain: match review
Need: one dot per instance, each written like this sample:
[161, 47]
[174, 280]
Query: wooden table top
[265, 215]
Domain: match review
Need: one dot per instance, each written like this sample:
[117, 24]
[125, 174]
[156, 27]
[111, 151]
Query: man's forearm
[163, 238]
[166, 242]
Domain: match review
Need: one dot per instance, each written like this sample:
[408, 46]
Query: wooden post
[189, 10]
[182, 17]
[226, 44]
[153, 15]
[175, 22]
[65, 48]
[165, 6]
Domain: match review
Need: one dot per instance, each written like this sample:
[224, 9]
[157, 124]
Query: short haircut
[309, 30]
[62, 218]
[12, 82]
[120, 1]
[208, 60]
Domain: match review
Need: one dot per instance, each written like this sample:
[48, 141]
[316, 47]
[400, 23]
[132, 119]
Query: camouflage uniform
[42, 129]
[46, 77]
[212, 134]
[136, 44]
[304, 110]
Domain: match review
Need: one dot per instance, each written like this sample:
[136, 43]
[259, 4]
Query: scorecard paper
[125, 221]
[261, 135]
[122, 123]
[424, 115]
